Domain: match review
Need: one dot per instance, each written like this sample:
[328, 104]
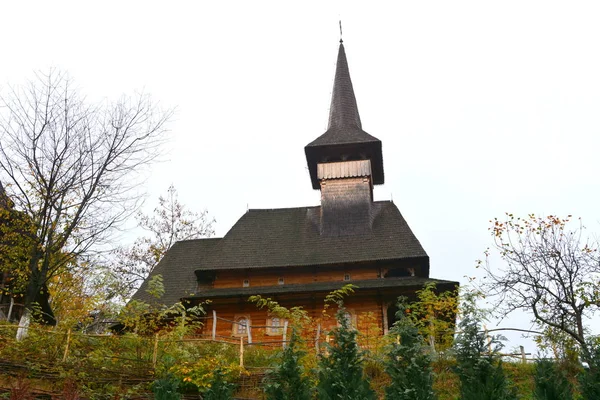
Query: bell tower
[345, 162]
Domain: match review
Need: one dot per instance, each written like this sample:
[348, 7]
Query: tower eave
[334, 153]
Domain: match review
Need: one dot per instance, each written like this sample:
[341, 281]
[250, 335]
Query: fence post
[285, 326]
[488, 338]
[214, 329]
[10, 308]
[241, 352]
[67, 345]
[523, 358]
[155, 352]
[317, 338]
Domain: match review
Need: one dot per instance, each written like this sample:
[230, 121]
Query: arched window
[240, 325]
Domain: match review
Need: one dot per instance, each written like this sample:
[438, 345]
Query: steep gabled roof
[177, 269]
[344, 136]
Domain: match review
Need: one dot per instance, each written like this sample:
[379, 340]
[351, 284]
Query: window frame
[271, 330]
[236, 326]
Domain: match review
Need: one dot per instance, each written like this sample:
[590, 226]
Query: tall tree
[408, 362]
[551, 271]
[72, 167]
[478, 365]
[340, 372]
[170, 222]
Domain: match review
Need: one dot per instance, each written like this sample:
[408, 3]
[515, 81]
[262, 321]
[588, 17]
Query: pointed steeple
[344, 139]
[343, 111]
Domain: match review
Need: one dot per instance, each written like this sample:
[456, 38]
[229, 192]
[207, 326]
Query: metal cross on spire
[341, 40]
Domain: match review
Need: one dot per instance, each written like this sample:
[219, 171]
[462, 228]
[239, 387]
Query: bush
[551, 382]
[166, 389]
[590, 378]
[219, 388]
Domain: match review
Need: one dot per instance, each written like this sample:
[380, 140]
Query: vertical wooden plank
[155, 351]
[384, 319]
[67, 346]
[317, 338]
[10, 308]
[523, 358]
[214, 327]
[488, 338]
[249, 331]
[285, 326]
[241, 352]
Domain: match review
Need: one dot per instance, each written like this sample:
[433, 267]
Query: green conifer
[589, 380]
[408, 363]
[478, 367]
[551, 382]
[340, 372]
[286, 381]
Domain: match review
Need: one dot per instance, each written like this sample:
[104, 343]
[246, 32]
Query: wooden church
[297, 256]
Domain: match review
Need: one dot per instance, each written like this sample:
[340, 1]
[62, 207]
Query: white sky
[482, 107]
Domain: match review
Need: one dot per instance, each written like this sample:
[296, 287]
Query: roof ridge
[282, 209]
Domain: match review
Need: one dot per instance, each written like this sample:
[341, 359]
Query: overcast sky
[482, 107]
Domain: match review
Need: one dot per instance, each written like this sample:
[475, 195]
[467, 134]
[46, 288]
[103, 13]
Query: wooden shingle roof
[177, 269]
[287, 237]
[291, 237]
[344, 138]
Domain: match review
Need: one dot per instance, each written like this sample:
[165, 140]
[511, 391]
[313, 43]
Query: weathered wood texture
[366, 313]
[344, 169]
[270, 277]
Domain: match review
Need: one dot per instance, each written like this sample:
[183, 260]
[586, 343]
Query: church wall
[366, 313]
[298, 275]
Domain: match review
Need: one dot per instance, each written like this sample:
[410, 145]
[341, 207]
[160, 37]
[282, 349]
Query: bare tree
[73, 168]
[170, 222]
[551, 271]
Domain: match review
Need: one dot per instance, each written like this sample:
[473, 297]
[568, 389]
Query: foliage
[297, 316]
[408, 363]
[552, 271]
[551, 381]
[287, 381]
[166, 389]
[201, 372]
[590, 378]
[16, 241]
[435, 314]
[219, 388]
[170, 222]
[479, 369]
[71, 169]
[340, 372]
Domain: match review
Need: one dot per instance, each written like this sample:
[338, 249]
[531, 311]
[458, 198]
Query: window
[275, 326]
[240, 325]
[246, 283]
[280, 281]
[346, 277]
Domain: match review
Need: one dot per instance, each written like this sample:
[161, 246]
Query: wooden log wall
[298, 275]
[366, 312]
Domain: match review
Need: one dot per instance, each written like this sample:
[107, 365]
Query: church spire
[344, 140]
[343, 111]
